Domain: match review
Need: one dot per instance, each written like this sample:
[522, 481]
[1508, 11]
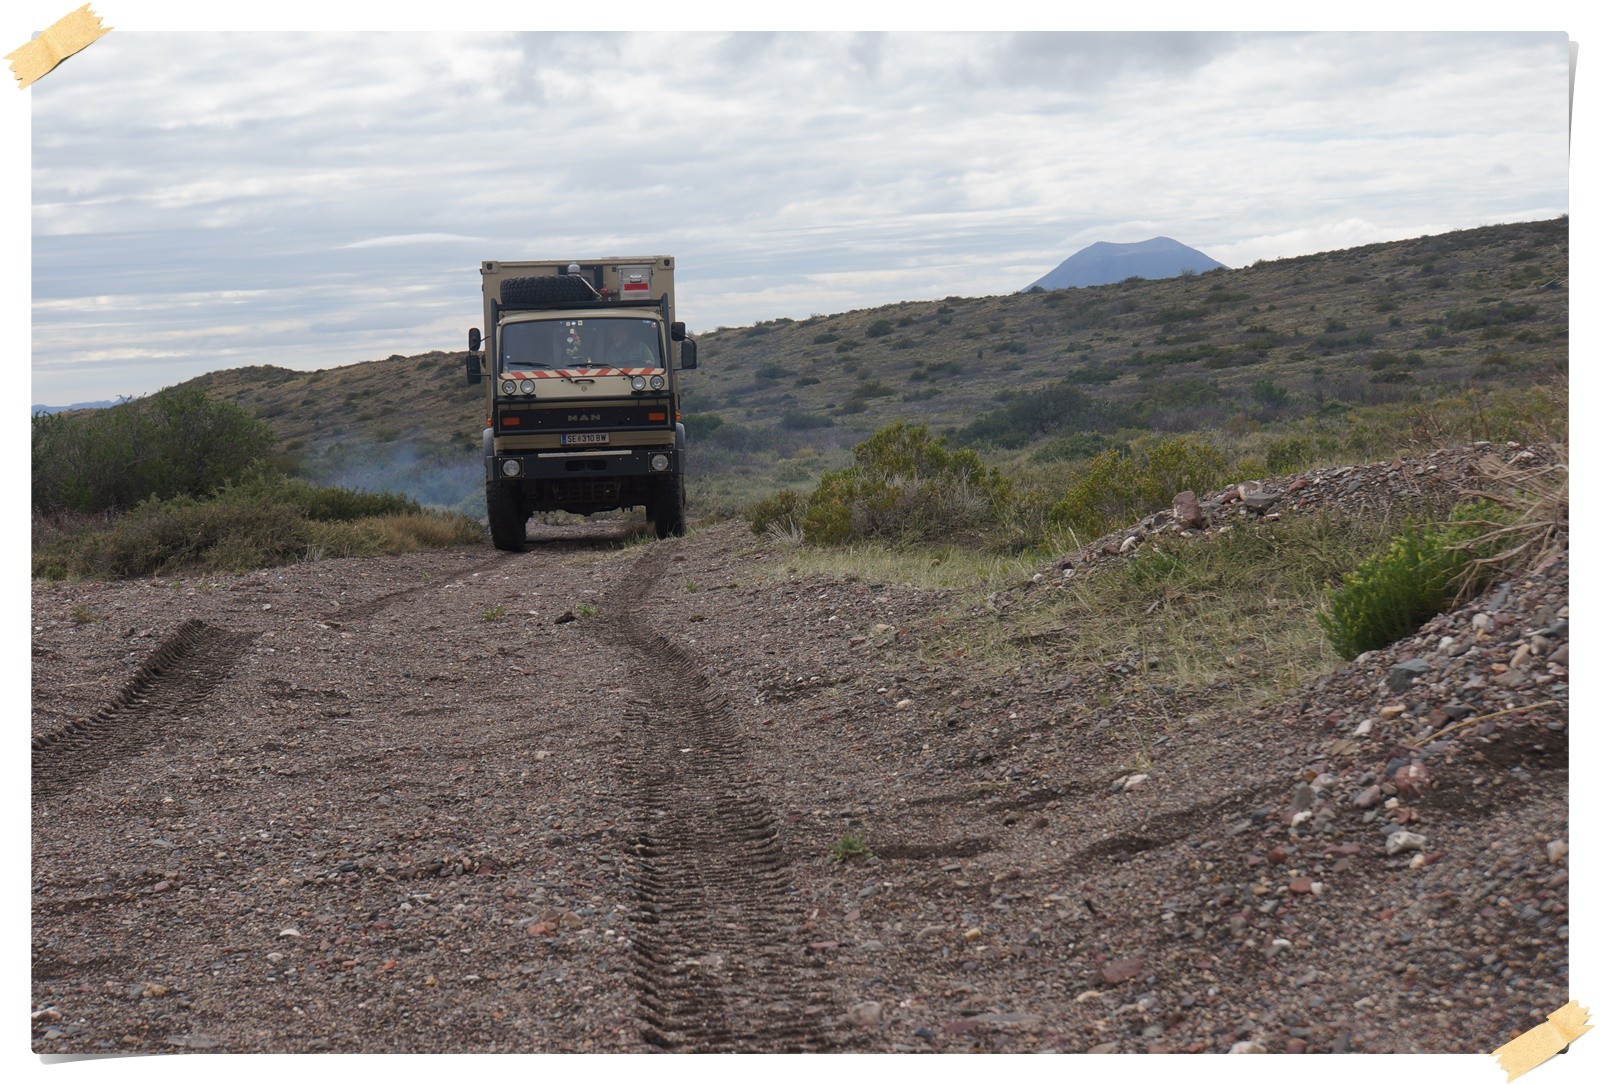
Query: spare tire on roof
[543, 289]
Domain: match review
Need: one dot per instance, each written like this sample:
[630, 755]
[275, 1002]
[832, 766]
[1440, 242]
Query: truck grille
[543, 419]
[585, 489]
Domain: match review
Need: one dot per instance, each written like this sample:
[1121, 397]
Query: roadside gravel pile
[545, 802]
[1414, 486]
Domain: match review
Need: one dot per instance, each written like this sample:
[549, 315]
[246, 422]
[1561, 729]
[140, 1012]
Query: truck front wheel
[666, 505]
[508, 525]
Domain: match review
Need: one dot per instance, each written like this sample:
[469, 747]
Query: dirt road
[590, 798]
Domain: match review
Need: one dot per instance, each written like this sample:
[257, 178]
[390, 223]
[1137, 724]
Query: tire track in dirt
[376, 605]
[171, 684]
[720, 963]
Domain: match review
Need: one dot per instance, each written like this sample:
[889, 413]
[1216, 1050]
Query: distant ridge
[1108, 262]
[45, 408]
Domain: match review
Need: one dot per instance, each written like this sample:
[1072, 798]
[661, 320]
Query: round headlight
[657, 383]
[508, 387]
[526, 387]
[511, 468]
[659, 462]
[638, 384]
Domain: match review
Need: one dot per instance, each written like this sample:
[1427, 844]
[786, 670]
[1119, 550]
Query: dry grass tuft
[1536, 497]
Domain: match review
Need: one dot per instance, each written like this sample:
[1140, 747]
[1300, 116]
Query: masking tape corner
[1543, 1041]
[69, 34]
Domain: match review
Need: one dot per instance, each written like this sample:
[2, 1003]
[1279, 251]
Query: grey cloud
[1082, 62]
[372, 323]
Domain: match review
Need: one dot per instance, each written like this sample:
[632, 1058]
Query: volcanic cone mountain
[1107, 262]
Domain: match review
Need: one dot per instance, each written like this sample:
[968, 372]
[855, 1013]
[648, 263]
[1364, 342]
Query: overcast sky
[203, 201]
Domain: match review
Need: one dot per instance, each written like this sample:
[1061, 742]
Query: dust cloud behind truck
[582, 391]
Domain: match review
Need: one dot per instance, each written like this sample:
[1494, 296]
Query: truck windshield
[624, 342]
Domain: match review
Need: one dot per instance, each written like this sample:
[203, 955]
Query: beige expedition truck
[582, 392]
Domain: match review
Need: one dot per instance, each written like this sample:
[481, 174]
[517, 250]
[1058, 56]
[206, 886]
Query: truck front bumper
[613, 462]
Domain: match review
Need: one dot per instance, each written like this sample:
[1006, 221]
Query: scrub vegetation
[177, 482]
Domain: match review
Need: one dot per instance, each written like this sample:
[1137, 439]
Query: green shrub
[736, 436]
[795, 418]
[1484, 316]
[905, 484]
[1178, 464]
[1106, 493]
[879, 328]
[1289, 454]
[1053, 408]
[1070, 446]
[1118, 488]
[264, 520]
[1389, 596]
[174, 442]
[1269, 393]
[697, 426]
[783, 511]
[852, 845]
[315, 501]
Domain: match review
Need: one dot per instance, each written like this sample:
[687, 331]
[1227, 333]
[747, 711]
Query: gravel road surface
[591, 798]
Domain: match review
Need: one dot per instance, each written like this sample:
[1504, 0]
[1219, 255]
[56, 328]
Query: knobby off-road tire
[508, 525]
[666, 506]
[541, 289]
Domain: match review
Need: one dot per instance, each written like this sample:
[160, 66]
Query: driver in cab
[627, 343]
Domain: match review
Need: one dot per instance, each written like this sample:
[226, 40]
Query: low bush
[1119, 487]
[174, 442]
[1052, 408]
[1422, 570]
[795, 418]
[261, 522]
[1483, 316]
[904, 484]
[782, 513]
[1289, 454]
[316, 502]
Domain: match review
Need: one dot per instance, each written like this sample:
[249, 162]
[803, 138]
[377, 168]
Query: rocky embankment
[1408, 486]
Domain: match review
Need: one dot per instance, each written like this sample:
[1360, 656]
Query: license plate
[586, 438]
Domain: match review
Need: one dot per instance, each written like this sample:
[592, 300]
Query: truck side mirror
[474, 369]
[474, 339]
[687, 355]
[678, 331]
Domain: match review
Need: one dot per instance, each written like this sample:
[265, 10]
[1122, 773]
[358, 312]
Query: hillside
[1314, 340]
